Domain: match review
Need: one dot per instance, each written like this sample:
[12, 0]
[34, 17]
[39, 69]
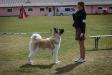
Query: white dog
[51, 43]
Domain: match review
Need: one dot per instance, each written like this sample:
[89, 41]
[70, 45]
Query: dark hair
[82, 4]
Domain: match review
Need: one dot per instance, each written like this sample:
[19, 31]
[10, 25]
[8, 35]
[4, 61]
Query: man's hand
[81, 35]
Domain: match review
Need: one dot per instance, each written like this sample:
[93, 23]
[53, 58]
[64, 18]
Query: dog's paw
[57, 62]
[30, 62]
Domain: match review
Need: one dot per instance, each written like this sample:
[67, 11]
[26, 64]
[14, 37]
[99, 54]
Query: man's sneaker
[80, 60]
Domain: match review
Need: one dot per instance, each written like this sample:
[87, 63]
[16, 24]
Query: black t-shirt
[79, 20]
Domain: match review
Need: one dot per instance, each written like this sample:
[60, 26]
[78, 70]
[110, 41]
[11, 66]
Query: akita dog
[51, 43]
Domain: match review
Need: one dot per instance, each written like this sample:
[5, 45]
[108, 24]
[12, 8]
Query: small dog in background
[51, 43]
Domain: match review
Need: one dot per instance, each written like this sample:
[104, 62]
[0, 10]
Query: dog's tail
[36, 37]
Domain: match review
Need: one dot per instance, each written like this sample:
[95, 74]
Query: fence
[103, 43]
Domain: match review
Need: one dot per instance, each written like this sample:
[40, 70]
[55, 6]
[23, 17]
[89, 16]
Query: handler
[80, 24]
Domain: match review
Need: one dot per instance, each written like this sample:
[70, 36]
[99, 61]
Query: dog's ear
[62, 31]
[55, 30]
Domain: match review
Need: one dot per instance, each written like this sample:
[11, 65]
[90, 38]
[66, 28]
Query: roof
[14, 3]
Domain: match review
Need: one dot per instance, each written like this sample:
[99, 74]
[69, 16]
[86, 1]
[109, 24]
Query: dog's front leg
[56, 54]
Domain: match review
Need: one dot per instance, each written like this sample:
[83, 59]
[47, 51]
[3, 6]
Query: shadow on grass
[67, 68]
[38, 66]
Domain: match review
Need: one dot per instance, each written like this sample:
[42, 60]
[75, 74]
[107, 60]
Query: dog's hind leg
[32, 52]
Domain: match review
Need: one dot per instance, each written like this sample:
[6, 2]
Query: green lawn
[14, 48]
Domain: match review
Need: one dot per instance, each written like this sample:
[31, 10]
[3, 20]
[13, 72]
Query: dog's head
[58, 31]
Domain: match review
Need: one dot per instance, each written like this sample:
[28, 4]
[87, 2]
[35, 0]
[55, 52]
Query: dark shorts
[77, 35]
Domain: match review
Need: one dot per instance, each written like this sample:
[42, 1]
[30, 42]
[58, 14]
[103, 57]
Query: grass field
[14, 48]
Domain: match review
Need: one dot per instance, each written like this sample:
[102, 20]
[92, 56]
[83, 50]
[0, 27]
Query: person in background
[80, 25]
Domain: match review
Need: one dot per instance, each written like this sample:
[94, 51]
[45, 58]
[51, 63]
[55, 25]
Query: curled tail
[36, 37]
